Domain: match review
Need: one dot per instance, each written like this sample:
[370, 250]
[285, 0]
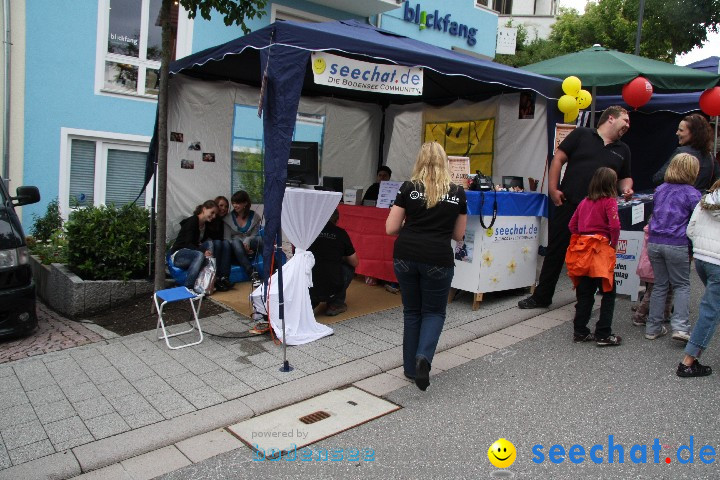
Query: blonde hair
[683, 168]
[432, 171]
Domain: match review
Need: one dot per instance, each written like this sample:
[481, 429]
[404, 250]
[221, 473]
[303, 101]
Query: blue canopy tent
[709, 64]
[277, 58]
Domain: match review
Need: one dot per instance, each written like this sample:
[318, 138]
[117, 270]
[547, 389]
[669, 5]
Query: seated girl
[192, 247]
[242, 230]
[221, 247]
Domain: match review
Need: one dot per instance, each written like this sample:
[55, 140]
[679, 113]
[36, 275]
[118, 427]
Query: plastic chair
[178, 294]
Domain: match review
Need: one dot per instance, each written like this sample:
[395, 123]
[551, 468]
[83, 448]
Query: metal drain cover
[311, 420]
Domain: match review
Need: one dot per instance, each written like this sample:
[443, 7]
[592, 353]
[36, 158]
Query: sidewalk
[85, 408]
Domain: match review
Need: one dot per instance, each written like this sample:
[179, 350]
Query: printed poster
[459, 170]
[388, 193]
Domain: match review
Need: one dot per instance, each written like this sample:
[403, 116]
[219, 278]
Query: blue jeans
[192, 261]
[424, 289]
[709, 313]
[238, 248]
[671, 266]
[221, 250]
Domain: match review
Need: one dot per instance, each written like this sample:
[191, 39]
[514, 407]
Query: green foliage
[670, 27]
[52, 250]
[233, 11]
[44, 227]
[108, 243]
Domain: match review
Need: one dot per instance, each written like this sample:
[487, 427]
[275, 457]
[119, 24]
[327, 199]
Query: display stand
[504, 256]
[633, 218]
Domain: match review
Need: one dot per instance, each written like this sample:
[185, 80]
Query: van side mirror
[26, 195]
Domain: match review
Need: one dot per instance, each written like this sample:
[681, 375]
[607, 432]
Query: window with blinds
[104, 173]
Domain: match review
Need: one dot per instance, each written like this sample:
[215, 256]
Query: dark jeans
[192, 261]
[585, 293]
[424, 289]
[558, 241]
[348, 274]
[222, 252]
[241, 255]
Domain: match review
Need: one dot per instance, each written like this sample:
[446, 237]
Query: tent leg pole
[592, 107]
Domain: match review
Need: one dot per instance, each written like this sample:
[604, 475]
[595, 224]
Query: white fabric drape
[304, 214]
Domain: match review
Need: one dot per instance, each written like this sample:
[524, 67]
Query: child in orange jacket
[590, 258]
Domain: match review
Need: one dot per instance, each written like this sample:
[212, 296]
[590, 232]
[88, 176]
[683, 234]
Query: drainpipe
[6, 102]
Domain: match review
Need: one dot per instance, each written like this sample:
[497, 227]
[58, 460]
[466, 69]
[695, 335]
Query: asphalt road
[541, 392]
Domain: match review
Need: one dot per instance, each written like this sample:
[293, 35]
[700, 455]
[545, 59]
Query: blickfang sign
[336, 71]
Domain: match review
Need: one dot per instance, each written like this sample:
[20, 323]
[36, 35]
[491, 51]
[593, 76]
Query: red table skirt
[366, 227]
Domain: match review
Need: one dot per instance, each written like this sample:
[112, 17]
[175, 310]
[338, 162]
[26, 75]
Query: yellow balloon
[567, 103]
[584, 99]
[571, 85]
[571, 116]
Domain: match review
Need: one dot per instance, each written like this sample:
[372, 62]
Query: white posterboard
[459, 170]
[627, 281]
[388, 193]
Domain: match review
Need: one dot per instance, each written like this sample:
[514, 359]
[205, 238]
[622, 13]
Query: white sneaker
[653, 336]
[681, 335]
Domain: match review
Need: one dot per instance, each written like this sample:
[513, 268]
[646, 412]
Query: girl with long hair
[192, 247]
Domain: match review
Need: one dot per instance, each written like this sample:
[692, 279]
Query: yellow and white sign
[336, 71]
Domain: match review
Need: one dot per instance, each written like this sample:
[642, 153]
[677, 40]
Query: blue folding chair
[175, 295]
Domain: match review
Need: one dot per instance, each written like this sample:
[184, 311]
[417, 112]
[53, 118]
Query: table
[634, 215]
[502, 257]
[374, 247]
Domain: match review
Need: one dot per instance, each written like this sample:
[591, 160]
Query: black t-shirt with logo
[586, 152]
[329, 248]
[425, 236]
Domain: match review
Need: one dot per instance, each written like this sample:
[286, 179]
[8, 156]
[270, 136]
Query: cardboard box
[353, 196]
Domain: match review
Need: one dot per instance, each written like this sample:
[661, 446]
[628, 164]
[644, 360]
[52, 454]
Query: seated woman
[191, 246]
[242, 230]
[221, 248]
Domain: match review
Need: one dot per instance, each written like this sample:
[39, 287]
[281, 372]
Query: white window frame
[103, 142]
[183, 48]
[276, 9]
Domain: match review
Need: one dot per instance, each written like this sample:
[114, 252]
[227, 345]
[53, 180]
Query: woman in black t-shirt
[428, 212]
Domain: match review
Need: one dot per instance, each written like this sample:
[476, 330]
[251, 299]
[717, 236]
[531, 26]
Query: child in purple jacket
[668, 244]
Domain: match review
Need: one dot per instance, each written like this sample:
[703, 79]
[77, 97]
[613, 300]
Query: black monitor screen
[333, 184]
[303, 162]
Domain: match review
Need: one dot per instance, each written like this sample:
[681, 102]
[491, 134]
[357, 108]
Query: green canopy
[608, 70]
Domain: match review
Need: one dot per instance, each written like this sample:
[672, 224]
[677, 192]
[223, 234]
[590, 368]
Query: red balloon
[710, 101]
[637, 92]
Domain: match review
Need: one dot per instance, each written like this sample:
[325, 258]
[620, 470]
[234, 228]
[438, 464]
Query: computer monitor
[511, 181]
[303, 163]
[333, 184]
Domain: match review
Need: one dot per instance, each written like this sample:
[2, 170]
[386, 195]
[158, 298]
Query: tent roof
[448, 75]
[609, 70]
[660, 102]
[709, 64]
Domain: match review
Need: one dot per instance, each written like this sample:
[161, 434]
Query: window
[100, 171]
[130, 45]
[503, 7]
[247, 156]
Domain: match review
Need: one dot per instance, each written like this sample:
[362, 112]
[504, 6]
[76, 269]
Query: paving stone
[106, 425]
[52, 412]
[153, 464]
[169, 369]
[202, 447]
[83, 391]
[30, 452]
[74, 442]
[203, 397]
[169, 401]
[10, 382]
[185, 383]
[102, 375]
[143, 417]
[136, 371]
[226, 384]
[151, 385]
[543, 322]
[18, 414]
[129, 403]
[23, 434]
[38, 378]
[4, 457]
[65, 430]
[381, 384]
[48, 394]
[93, 407]
[263, 360]
[471, 350]
[119, 388]
[283, 376]
[232, 363]
[72, 378]
[257, 379]
[113, 472]
[353, 351]
[521, 331]
[497, 340]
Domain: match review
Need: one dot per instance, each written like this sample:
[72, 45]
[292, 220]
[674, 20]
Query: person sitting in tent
[335, 262]
[242, 230]
[383, 174]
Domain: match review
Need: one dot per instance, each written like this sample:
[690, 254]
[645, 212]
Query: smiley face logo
[318, 65]
[502, 453]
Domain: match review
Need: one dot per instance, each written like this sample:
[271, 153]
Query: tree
[670, 27]
[234, 12]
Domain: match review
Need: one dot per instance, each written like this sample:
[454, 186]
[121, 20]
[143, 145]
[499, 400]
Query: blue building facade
[90, 80]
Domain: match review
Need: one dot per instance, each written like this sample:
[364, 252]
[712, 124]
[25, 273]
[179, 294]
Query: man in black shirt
[383, 175]
[335, 262]
[584, 150]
